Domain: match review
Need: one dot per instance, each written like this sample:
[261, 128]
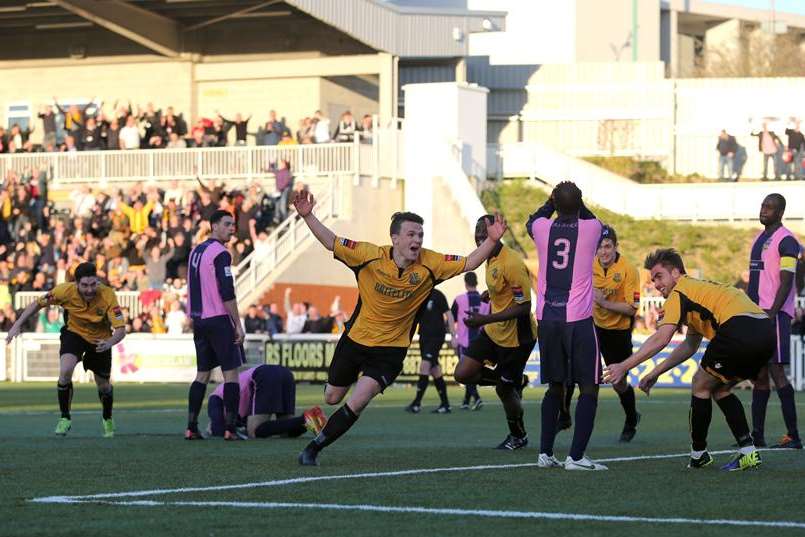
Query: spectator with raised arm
[295, 314]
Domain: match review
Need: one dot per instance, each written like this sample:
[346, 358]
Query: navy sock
[586, 407]
[421, 386]
[339, 423]
[65, 393]
[231, 404]
[701, 412]
[760, 399]
[736, 419]
[194, 401]
[470, 392]
[551, 404]
[786, 395]
[290, 426]
[106, 402]
[441, 387]
[628, 403]
[568, 400]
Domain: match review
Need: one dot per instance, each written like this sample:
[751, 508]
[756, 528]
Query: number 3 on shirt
[562, 252]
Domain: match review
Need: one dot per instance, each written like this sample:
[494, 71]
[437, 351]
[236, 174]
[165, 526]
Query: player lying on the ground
[741, 339]
[92, 313]
[267, 405]
[393, 283]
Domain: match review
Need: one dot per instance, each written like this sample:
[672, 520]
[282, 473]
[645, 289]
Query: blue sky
[790, 6]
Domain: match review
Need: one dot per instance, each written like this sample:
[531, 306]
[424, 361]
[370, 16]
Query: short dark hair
[398, 218]
[779, 199]
[471, 279]
[608, 232]
[85, 270]
[218, 215]
[667, 257]
[567, 198]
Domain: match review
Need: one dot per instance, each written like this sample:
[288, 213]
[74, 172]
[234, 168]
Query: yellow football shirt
[389, 298]
[508, 283]
[92, 320]
[619, 283]
[704, 306]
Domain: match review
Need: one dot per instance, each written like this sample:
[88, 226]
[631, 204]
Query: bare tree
[756, 54]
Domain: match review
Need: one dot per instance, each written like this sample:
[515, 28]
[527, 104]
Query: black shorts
[740, 349]
[274, 390]
[99, 363]
[615, 345]
[214, 338]
[351, 359]
[568, 352]
[510, 361]
[430, 349]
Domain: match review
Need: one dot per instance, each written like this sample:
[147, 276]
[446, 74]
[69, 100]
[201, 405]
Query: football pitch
[393, 474]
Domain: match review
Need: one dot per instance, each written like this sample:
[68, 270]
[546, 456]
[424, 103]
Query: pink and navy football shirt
[566, 249]
[209, 280]
[771, 253]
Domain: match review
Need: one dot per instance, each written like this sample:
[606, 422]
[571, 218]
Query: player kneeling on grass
[94, 325]
[741, 340]
[265, 391]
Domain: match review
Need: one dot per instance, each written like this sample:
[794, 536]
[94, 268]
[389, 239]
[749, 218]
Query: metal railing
[253, 273]
[129, 300]
[243, 162]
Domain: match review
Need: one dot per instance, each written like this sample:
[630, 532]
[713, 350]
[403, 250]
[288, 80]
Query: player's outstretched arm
[654, 344]
[682, 352]
[494, 232]
[475, 320]
[16, 328]
[304, 202]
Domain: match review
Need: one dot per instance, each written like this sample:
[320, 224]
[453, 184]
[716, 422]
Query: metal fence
[243, 162]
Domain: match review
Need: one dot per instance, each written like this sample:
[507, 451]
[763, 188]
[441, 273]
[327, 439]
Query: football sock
[628, 403]
[786, 395]
[512, 407]
[106, 402]
[550, 413]
[421, 386]
[568, 399]
[441, 387]
[65, 393]
[339, 423]
[231, 404]
[195, 399]
[760, 399]
[701, 412]
[736, 419]
[291, 426]
[586, 407]
[471, 392]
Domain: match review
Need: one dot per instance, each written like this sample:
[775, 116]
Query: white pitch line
[575, 517]
[311, 479]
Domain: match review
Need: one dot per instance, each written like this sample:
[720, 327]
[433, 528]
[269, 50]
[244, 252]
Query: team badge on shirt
[617, 277]
[99, 312]
[349, 244]
[414, 278]
[118, 313]
[518, 294]
[451, 257]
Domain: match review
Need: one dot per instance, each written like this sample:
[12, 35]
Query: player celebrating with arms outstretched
[394, 282]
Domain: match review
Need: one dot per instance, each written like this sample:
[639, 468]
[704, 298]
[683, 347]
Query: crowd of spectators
[90, 128]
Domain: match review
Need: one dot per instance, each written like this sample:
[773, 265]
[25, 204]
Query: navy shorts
[430, 349]
[100, 363]
[214, 338]
[510, 361]
[615, 345]
[274, 390]
[568, 352]
[740, 349]
[782, 332]
[352, 359]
